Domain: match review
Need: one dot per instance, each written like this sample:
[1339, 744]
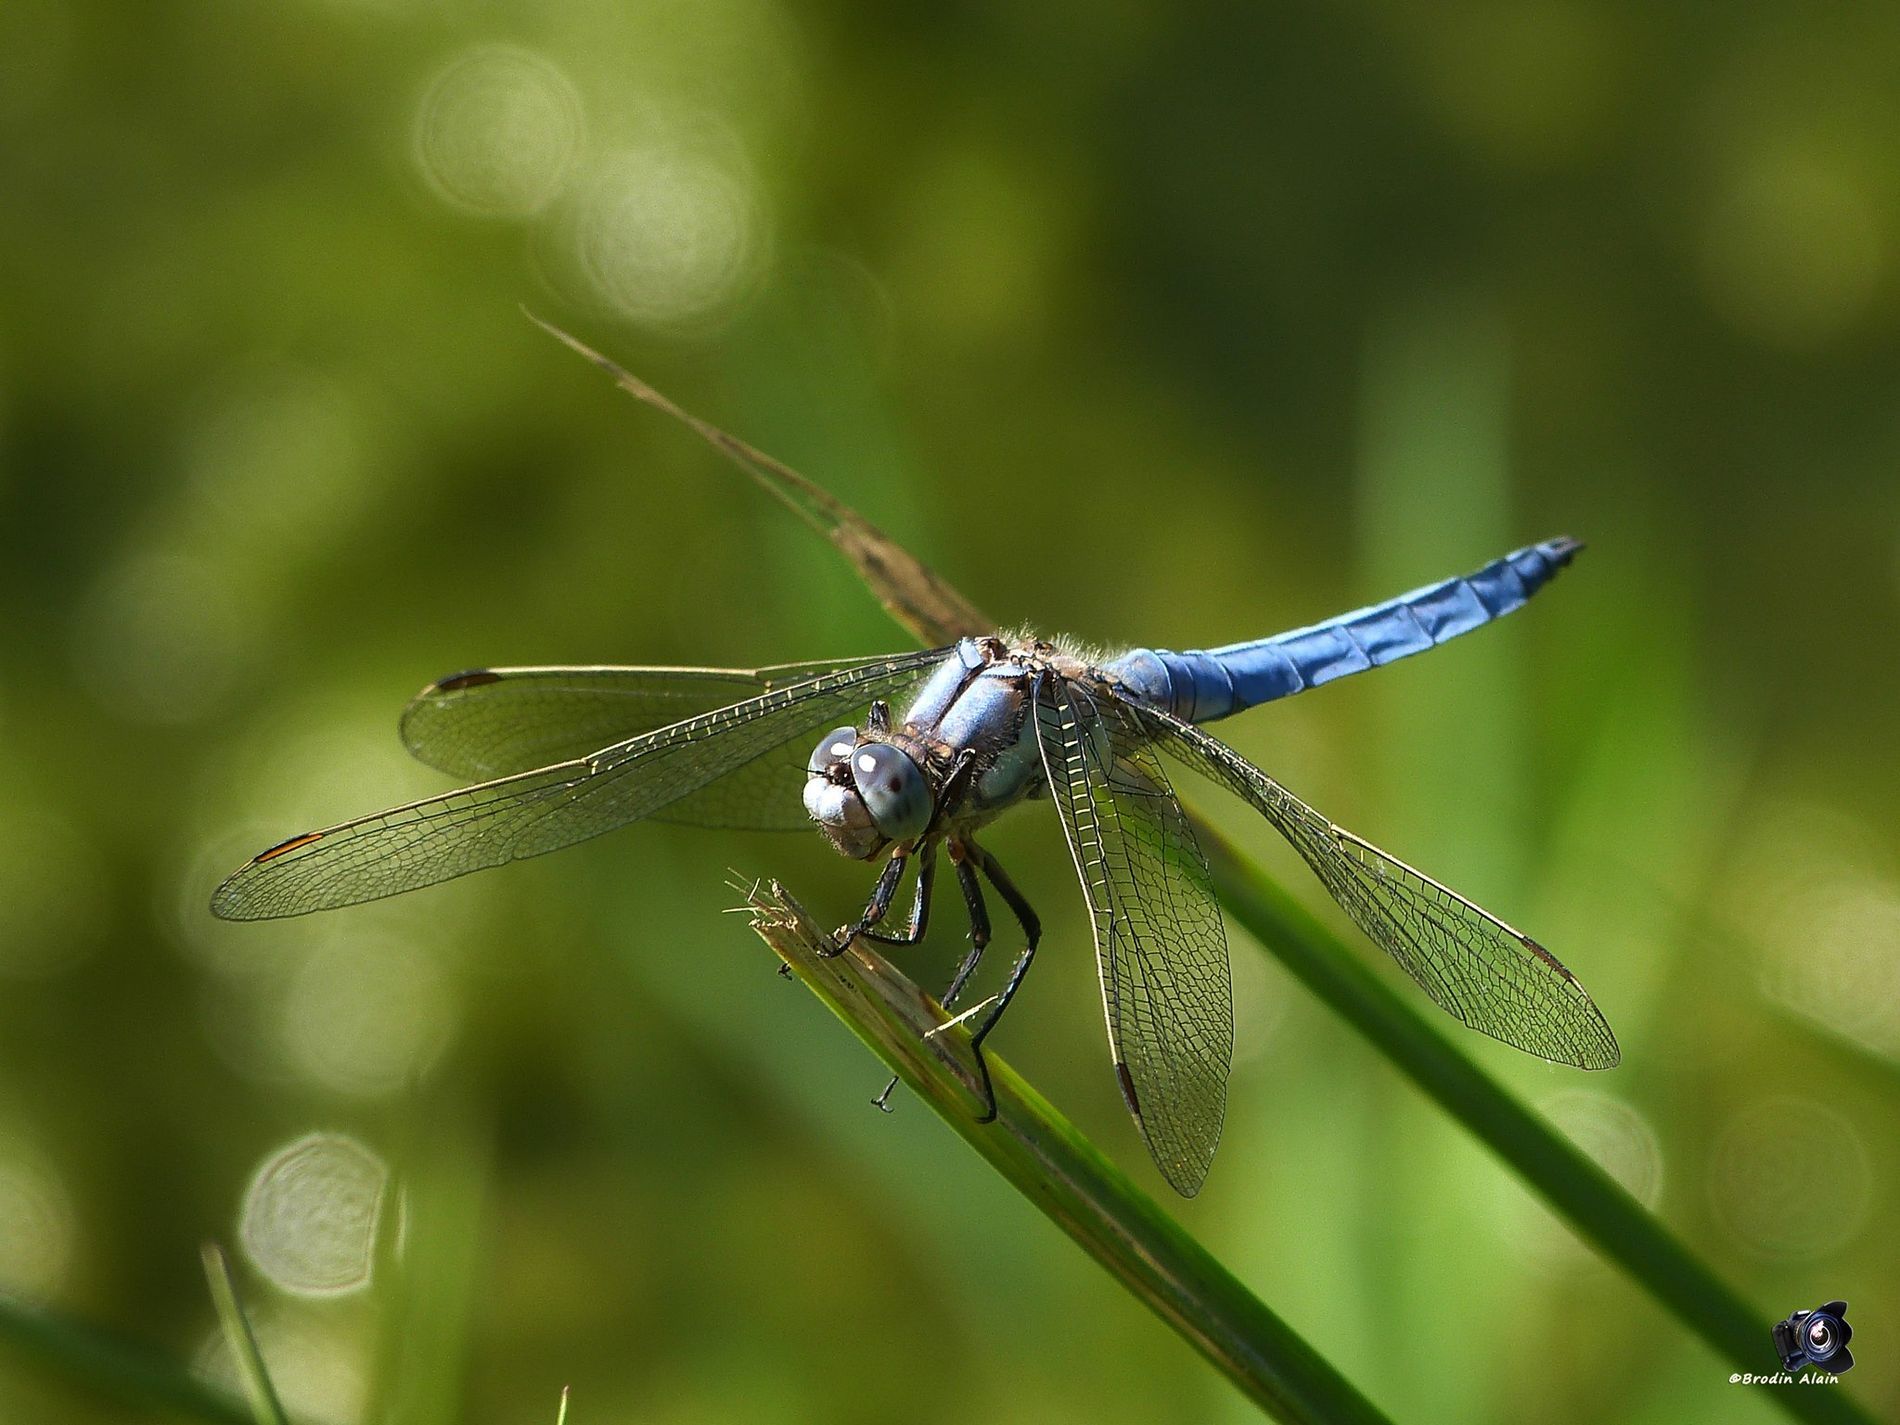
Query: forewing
[1159, 942]
[496, 722]
[536, 812]
[1493, 978]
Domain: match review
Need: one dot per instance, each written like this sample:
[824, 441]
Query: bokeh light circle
[1790, 1178]
[317, 1361]
[666, 235]
[1793, 249]
[497, 132]
[1617, 1138]
[1811, 889]
[1614, 1136]
[309, 1217]
[36, 1225]
[162, 638]
[367, 1015]
[1841, 969]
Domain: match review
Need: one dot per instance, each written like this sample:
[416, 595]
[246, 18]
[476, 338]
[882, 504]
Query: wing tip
[228, 901]
[1590, 1046]
[1185, 1174]
[414, 723]
[1603, 1051]
[1610, 1056]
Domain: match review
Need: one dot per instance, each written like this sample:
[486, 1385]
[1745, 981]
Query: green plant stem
[238, 1335]
[1064, 1175]
[109, 1366]
[1594, 1203]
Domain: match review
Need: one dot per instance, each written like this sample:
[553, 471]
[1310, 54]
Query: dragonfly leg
[875, 909]
[979, 940]
[919, 921]
[1032, 932]
[979, 928]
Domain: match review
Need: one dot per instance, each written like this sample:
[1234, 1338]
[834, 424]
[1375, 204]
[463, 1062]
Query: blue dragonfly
[925, 750]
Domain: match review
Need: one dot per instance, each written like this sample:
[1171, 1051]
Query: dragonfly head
[865, 795]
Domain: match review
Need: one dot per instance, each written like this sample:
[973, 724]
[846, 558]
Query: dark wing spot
[1128, 1088]
[475, 678]
[1549, 959]
[291, 845]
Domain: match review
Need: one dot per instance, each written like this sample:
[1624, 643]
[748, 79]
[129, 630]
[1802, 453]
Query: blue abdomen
[1212, 683]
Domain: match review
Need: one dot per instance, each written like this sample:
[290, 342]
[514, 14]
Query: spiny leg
[1032, 932]
[979, 939]
[910, 935]
[979, 926]
[919, 921]
[876, 908]
[955, 787]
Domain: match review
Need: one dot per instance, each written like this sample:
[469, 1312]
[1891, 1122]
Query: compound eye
[894, 790]
[832, 750]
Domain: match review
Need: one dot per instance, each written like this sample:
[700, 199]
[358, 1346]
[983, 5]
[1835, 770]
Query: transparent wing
[536, 812]
[1493, 978]
[496, 722]
[1159, 942]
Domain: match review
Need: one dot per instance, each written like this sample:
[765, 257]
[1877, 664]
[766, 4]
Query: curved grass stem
[242, 1340]
[1598, 1207]
[1064, 1175]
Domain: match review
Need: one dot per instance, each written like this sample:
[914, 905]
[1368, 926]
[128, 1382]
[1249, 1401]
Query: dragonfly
[916, 754]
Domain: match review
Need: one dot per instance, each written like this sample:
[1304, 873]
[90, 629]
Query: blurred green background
[1162, 324]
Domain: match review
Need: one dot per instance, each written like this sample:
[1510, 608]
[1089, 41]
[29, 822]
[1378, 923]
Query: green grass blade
[431, 1287]
[266, 1408]
[110, 1366]
[1065, 1176]
[1602, 1213]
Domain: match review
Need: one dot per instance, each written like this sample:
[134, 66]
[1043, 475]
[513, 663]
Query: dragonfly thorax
[865, 794]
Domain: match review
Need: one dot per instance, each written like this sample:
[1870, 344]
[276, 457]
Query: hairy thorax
[980, 703]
